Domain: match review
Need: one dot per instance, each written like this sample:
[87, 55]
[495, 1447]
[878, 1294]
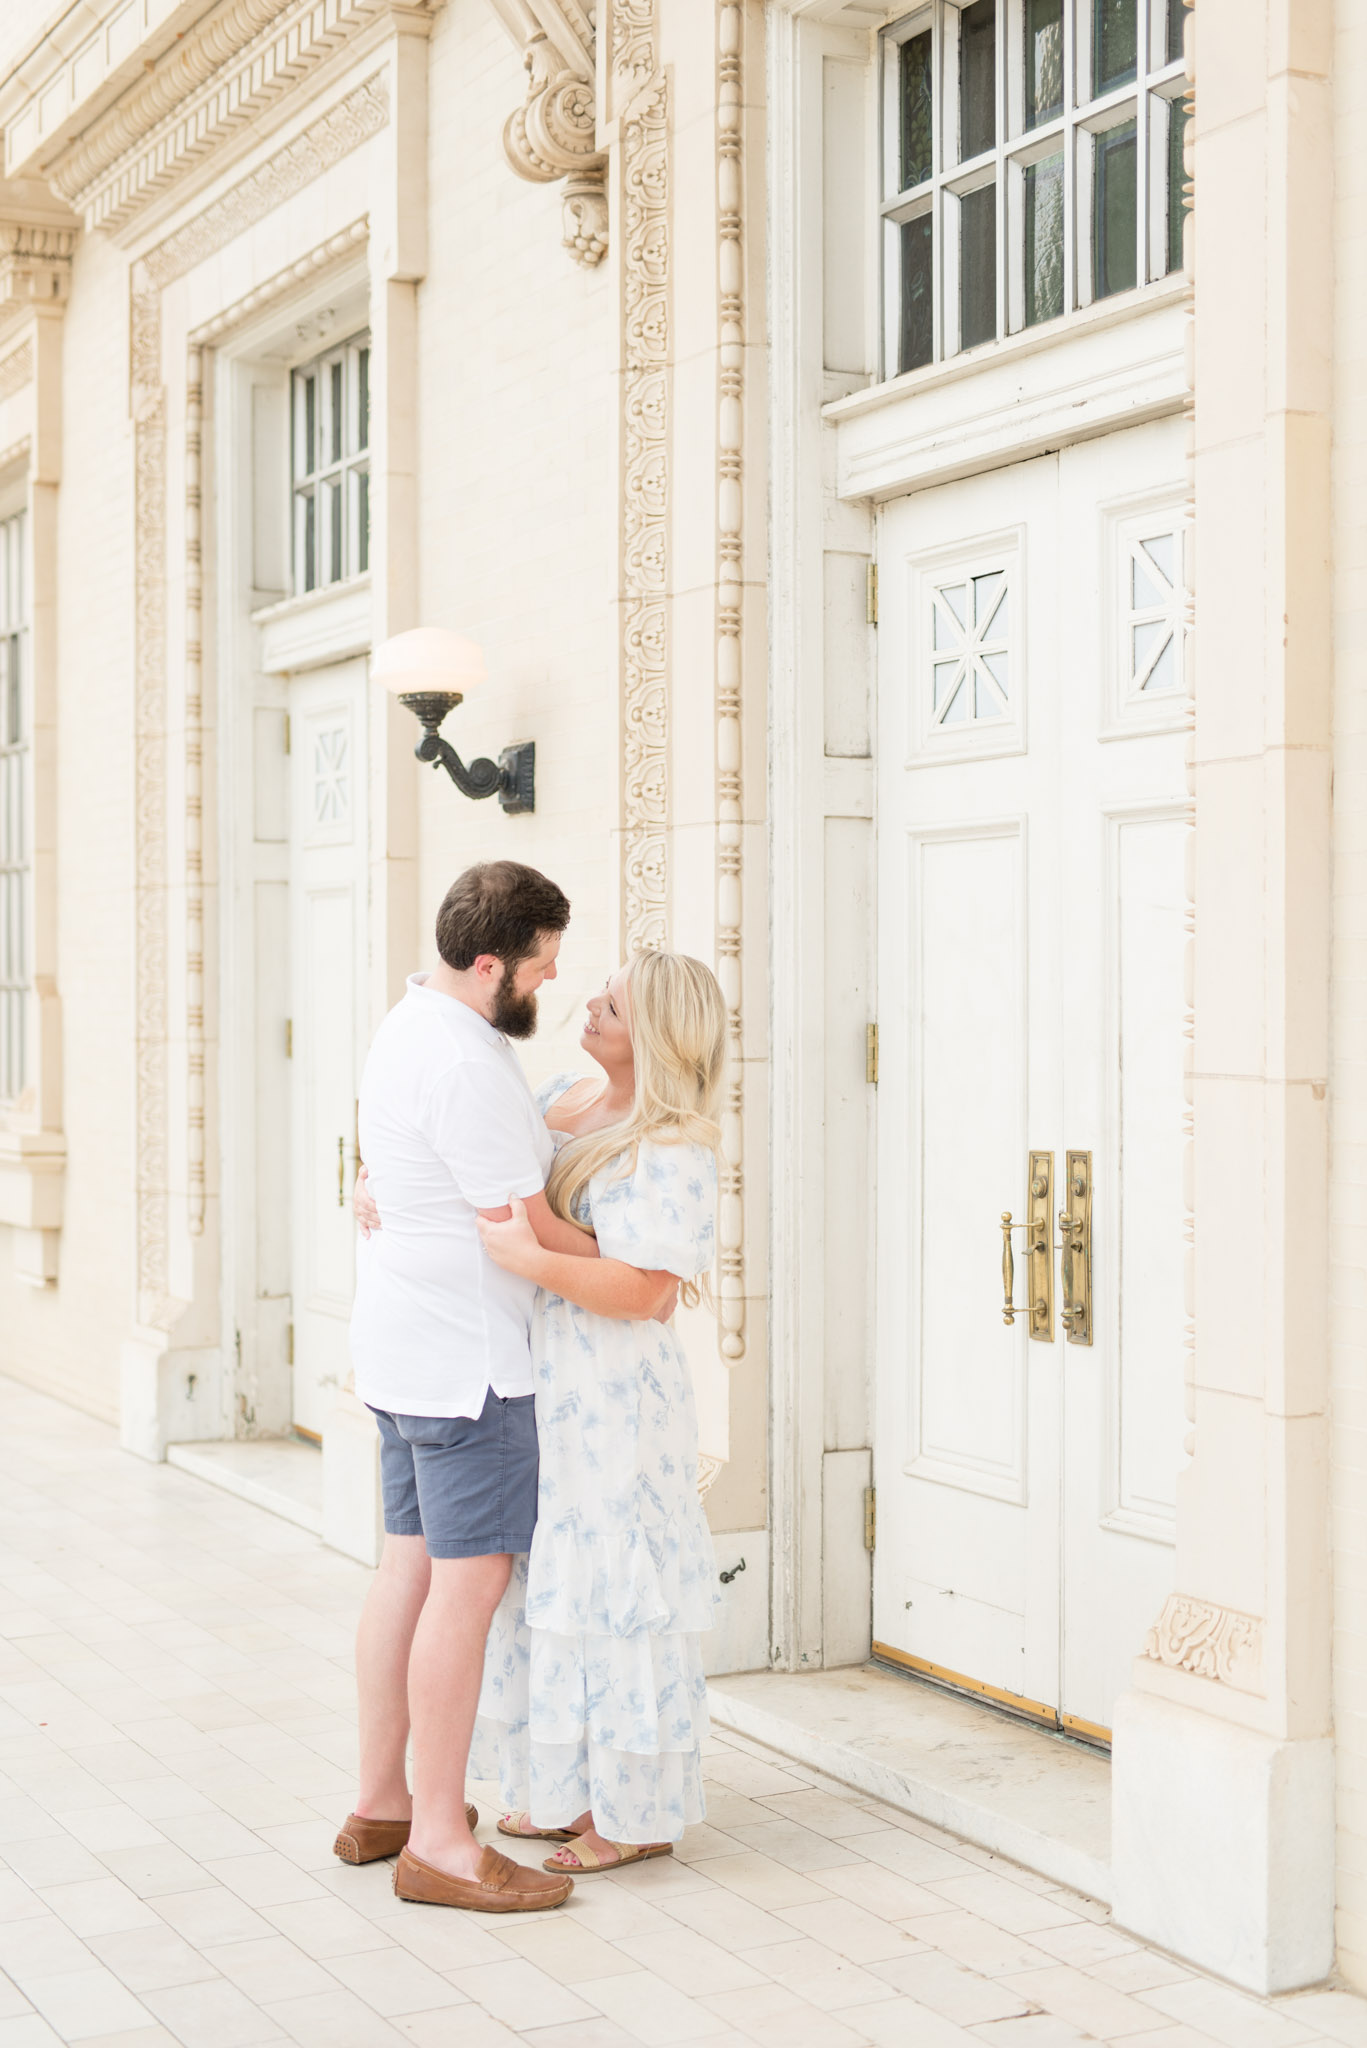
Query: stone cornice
[108, 189]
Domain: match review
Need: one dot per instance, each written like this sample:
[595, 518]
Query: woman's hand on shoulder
[511, 1243]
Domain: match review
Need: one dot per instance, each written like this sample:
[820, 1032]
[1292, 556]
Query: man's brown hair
[498, 907]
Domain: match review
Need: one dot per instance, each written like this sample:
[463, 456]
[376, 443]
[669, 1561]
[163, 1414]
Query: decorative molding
[632, 45]
[335, 250]
[708, 1468]
[1209, 1641]
[216, 80]
[35, 267]
[194, 784]
[20, 451]
[554, 133]
[343, 128]
[645, 518]
[16, 369]
[730, 656]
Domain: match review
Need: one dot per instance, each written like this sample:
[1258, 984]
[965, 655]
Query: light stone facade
[630, 426]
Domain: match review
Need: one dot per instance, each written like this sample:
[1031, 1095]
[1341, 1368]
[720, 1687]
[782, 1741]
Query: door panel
[327, 905]
[1032, 826]
[966, 1441]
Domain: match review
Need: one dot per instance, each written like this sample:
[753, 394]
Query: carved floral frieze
[1209, 1641]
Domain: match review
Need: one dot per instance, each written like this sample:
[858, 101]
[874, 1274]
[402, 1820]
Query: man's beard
[512, 1014]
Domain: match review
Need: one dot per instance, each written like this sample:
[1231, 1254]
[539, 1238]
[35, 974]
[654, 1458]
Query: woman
[594, 1704]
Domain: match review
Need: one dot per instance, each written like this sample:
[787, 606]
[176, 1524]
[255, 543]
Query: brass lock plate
[1039, 1240]
[1075, 1260]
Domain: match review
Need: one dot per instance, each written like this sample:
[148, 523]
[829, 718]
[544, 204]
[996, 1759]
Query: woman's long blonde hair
[677, 1019]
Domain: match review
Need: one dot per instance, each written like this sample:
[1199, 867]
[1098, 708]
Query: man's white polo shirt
[447, 1126]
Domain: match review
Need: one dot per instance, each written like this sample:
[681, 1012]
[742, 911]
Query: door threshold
[280, 1474]
[1020, 1791]
[1036, 1712]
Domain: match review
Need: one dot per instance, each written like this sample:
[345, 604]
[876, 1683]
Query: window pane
[14, 702]
[1114, 43]
[1043, 61]
[918, 300]
[310, 448]
[977, 78]
[363, 522]
[1173, 11]
[915, 104]
[337, 412]
[306, 508]
[334, 530]
[978, 266]
[1177, 128]
[1113, 212]
[1044, 239]
[363, 399]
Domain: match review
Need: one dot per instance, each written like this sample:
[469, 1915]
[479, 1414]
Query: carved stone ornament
[1209, 1641]
[553, 135]
[35, 267]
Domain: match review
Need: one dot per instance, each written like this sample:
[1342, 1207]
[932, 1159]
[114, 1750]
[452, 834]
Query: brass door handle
[1039, 1252]
[1075, 1249]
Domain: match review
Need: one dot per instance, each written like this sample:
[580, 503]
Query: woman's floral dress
[593, 1695]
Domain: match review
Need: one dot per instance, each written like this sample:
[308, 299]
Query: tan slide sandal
[518, 1825]
[588, 1864]
[366, 1841]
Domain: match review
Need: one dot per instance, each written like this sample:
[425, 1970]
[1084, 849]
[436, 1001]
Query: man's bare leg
[384, 1641]
[444, 1673]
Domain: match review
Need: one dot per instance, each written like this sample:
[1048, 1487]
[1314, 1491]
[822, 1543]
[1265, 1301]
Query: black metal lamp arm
[482, 778]
[512, 778]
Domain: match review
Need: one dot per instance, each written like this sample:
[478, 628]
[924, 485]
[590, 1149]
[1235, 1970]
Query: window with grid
[330, 466]
[1031, 165]
[15, 853]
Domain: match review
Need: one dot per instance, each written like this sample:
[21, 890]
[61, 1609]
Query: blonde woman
[594, 1705]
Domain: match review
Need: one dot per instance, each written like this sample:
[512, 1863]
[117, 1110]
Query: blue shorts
[468, 1485]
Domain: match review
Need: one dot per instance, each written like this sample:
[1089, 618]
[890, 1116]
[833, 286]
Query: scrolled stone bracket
[553, 135]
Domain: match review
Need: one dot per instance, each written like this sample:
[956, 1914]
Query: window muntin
[16, 855]
[330, 466]
[1032, 164]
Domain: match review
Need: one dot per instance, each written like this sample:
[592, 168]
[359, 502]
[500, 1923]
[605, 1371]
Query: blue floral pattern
[593, 1694]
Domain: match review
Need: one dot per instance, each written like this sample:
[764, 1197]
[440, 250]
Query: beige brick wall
[1348, 1326]
[518, 510]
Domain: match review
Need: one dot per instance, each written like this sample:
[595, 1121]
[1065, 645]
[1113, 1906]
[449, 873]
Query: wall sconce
[430, 670]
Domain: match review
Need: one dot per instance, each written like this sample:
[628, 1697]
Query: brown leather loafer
[365, 1841]
[498, 1886]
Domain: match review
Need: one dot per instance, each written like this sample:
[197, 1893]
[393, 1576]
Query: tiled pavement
[175, 1747]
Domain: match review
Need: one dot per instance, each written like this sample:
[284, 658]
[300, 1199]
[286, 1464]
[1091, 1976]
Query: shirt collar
[458, 1015]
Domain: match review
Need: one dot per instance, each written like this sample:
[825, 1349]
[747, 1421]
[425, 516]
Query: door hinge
[871, 594]
[870, 1516]
[288, 748]
[289, 1038]
[871, 1054]
[289, 1343]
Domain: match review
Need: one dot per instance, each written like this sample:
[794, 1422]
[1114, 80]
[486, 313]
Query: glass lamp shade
[428, 661]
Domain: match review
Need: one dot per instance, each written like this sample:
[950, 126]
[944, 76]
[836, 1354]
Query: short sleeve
[484, 1127]
[664, 1216]
[549, 1092]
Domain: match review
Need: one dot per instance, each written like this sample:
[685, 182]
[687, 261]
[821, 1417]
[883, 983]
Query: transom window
[1032, 164]
[330, 403]
[15, 850]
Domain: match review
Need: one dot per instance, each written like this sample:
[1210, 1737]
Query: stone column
[1223, 1799]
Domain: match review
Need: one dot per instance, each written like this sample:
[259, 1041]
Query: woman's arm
[552, 1232]
[606, 1287]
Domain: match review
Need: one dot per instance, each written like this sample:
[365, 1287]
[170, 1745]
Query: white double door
[1032, 834]
[327, 1020]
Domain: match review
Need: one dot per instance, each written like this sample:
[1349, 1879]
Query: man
[440, 1345]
